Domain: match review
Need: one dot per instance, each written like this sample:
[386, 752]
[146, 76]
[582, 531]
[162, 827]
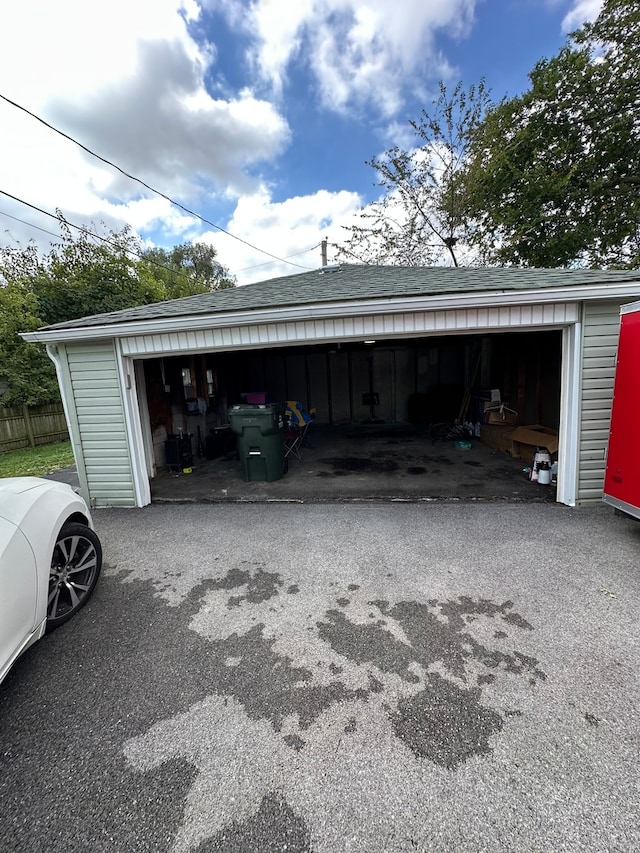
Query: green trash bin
[259, 429]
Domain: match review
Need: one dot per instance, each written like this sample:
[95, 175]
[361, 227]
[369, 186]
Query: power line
[147, 186]
[269, 263]
[29, 224]
[86, 230]
[53, 216]
[109, 242]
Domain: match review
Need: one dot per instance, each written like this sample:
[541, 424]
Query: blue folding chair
[298, 422]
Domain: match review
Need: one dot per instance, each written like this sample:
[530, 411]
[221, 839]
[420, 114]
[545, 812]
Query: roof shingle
[351, 283]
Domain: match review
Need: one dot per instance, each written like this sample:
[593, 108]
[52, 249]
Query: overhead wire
[28, 224]
[269, 263]
[145, 184]
[85, 230]
[139, 254]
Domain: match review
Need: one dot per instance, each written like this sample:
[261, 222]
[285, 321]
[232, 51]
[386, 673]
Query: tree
[552, 177]
[186, 269]
[422, 214]
[79, 276]
[27, 375]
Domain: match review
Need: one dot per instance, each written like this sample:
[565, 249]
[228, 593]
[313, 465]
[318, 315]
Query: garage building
[546, 338]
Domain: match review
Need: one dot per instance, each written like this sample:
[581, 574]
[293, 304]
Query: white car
[50, 560]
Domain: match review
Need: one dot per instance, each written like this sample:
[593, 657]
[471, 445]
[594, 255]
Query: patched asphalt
[343, 677]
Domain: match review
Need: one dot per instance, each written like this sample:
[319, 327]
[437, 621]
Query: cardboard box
[496, 436]
[499, 413]
[525, 439]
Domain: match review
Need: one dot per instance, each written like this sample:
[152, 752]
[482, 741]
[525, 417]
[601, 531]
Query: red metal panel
[622, 476]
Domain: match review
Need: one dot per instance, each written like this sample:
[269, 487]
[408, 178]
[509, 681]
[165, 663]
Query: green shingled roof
[350, 282]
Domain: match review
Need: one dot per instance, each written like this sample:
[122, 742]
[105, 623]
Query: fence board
[31, 426]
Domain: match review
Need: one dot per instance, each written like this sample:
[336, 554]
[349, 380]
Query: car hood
[20, 495]
[19, 485]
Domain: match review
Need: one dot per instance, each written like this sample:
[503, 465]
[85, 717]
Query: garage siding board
[101, 423]
[281, 333]
[600, 341]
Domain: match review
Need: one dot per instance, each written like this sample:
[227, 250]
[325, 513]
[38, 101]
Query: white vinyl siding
[100, 423]
[601, 329]
[326, 329]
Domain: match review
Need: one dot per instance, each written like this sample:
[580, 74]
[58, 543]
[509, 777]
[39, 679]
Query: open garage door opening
[389, 418]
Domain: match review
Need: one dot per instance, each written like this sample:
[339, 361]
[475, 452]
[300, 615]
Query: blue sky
[258, 115]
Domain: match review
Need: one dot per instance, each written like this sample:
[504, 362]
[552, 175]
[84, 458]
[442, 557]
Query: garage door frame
[323, 329]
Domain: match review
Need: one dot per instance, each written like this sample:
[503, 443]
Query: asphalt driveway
[328, 678]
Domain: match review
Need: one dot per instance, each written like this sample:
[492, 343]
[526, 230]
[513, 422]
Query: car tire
[75, 567]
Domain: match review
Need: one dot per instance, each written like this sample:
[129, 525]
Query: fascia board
[298, 313]
[631, 308]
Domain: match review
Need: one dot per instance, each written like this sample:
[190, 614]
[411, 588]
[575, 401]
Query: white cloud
[291, 229]
[171, 131]
[73, 49]
[360, 53]
[128, 80]
[581, 11]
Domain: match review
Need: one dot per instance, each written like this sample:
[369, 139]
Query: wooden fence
[29, 426]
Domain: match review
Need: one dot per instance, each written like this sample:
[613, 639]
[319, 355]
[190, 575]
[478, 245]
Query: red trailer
[622, 474]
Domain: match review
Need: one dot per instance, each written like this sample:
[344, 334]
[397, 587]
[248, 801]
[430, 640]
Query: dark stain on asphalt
[295, 742]
[367, 644]
[516, 619]
[456, 610]
[436, 632]
[416, 469]
[273, 828]
[261, 585]
[445, 724]
[121, 695]
[155, 666]
[431, 638]
[269, 686]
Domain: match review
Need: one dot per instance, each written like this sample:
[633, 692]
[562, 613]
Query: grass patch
[36, 461]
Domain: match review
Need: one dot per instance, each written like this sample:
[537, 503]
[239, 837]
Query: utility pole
[323, 249]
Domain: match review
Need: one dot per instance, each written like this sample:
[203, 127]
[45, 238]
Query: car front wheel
[75, 567]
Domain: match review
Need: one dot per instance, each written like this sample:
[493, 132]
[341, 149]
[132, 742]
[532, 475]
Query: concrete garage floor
[363, 463]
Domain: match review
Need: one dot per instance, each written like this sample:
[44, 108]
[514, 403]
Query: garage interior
[378, 408]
